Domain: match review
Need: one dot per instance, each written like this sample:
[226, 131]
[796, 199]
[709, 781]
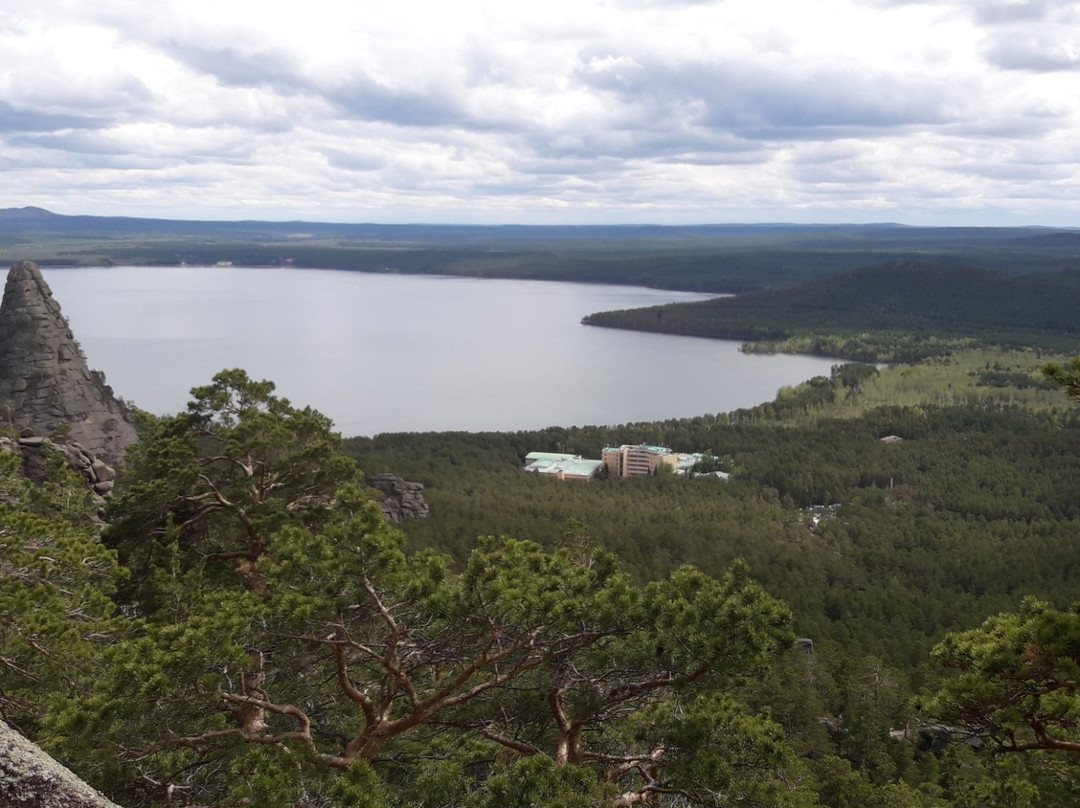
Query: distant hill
[39, 220]
[27, 215]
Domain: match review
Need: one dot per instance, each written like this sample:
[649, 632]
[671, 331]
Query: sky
[952, 112]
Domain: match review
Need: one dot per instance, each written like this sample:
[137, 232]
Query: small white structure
[562, 466]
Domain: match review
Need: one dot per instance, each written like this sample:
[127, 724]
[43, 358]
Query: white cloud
[583, 110]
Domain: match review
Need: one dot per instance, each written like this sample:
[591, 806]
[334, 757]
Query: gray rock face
[401, 500]
[29, 778]
[34, 451]
[45, 382]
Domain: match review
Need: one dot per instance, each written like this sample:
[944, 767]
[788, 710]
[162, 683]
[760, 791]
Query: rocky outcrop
[35, 449]
[45, 383]
[400, 500]
[29, 778]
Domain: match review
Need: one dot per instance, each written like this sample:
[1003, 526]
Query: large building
[637, 460]
[642, 459]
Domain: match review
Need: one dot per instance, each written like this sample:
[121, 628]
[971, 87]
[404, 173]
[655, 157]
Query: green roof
[573, 466]
[644, 446]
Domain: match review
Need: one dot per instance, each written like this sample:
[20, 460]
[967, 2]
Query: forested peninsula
[896, 312]
[875, 607]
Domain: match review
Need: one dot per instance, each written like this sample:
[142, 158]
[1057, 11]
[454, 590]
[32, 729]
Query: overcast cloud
[566, 111]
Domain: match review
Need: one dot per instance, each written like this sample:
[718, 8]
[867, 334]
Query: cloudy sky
[552, 111]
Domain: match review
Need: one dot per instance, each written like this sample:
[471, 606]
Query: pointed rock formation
[45, 382]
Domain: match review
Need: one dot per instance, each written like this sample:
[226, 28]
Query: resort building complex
[624, 461]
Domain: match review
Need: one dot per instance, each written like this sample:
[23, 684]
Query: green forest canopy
[252, 632]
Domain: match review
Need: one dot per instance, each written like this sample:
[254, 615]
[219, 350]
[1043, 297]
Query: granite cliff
[45, 382]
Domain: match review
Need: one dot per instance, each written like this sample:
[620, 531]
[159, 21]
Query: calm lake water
[394, 353]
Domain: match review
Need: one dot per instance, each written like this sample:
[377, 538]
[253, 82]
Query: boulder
[400, 500]
[29, 778]
[34, 451]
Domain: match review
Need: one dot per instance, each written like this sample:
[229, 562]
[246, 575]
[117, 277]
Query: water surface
[389, 353]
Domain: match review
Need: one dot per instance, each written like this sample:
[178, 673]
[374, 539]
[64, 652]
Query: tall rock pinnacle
[44, 379]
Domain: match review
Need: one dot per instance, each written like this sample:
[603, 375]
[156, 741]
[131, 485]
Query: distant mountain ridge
[81, 223]
[37, 217]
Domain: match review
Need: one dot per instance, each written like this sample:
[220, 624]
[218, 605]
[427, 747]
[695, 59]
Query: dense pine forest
[975, 508]
[808, 631]
[839, 621]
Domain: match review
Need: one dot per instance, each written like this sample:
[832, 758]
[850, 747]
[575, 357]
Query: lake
[394, 353]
